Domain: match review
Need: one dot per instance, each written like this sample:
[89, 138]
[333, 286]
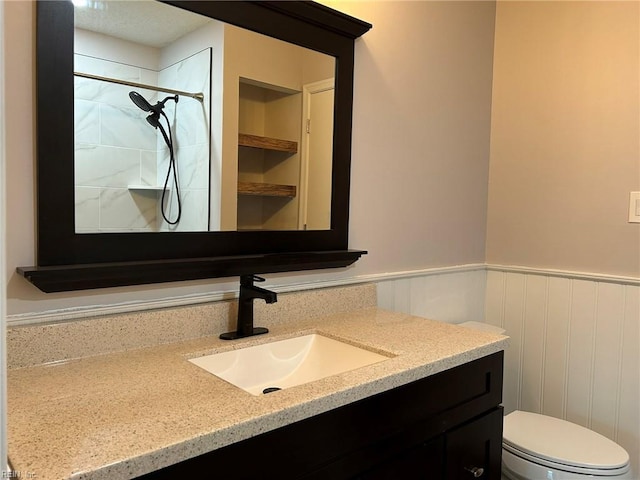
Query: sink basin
[286, 363]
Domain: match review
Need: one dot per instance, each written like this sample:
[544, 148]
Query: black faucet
[248, 292]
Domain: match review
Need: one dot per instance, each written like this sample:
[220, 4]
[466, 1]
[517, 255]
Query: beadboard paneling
[628, 421]
[556, 361]
[533, 345]
[449, 297]
[574, 350]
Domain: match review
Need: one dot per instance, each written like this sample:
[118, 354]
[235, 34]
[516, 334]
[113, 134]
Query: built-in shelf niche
[266, 189]
[269, 125]
[267, 143]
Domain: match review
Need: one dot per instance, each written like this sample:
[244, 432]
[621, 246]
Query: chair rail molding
[80, 312]
[595, 277]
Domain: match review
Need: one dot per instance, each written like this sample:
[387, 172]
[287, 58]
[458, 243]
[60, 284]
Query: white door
[315, 205]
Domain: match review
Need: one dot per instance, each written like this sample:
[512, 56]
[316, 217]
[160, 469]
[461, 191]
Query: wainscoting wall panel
[574, 349]
[450, 296]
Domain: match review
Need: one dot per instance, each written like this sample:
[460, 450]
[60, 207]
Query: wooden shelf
[267, 143]
[266, 189]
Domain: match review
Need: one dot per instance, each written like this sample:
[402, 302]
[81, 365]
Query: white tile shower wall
[449, 297]
[191, 134]
[114, 148]
[573, 352]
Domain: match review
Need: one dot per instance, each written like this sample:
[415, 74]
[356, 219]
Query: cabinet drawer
[424, 461]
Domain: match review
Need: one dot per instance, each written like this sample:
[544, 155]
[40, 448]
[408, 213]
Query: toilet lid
[562, 442]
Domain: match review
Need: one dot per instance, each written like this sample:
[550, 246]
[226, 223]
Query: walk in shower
[130, 174]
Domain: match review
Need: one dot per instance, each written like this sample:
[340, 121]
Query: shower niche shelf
[145, 188]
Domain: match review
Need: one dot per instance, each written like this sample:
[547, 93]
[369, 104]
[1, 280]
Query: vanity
[447, 426]
[431, 409]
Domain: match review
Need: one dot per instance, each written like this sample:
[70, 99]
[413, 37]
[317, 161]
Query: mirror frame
[76, 258]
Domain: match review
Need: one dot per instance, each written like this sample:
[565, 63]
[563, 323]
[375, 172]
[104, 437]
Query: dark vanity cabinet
[445, 426]
[472, 450]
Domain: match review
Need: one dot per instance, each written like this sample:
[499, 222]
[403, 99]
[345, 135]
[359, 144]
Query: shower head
[140, 101]
[145, 106]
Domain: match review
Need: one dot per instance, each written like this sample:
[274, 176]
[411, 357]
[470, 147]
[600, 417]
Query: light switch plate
[634, 207]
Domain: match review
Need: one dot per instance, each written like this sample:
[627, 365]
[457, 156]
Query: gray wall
[565, 136]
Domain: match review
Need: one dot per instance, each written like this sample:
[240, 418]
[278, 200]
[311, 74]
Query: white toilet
[539, 447]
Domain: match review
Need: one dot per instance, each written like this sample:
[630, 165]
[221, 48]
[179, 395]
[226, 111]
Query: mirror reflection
[184, 123]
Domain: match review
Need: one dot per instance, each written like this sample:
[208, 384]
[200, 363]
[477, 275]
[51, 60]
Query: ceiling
[146, 22]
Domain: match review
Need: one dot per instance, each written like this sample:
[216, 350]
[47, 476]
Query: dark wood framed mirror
[67, 260]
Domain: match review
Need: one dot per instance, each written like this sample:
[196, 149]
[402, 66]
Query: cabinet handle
[477, 472]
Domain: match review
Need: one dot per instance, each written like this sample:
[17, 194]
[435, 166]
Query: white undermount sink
[286, 363]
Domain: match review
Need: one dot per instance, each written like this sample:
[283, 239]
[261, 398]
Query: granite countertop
[125, 414]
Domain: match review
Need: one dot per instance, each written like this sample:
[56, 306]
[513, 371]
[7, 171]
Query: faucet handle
[247, 280]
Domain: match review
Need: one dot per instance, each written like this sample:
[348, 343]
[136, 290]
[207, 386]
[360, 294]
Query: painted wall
[565, 146]
[420, 151]
[421, 131]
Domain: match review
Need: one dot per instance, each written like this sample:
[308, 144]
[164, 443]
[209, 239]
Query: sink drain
[271, 389]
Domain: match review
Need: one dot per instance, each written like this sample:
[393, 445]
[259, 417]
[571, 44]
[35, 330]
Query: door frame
[307, 90]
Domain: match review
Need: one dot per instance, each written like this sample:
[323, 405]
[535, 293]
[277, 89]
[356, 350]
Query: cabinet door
[422, 462]
[475, 449]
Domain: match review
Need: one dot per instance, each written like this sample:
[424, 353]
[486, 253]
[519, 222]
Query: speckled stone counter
[123, 414]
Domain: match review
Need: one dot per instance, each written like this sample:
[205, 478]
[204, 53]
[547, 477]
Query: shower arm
[197, 96]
